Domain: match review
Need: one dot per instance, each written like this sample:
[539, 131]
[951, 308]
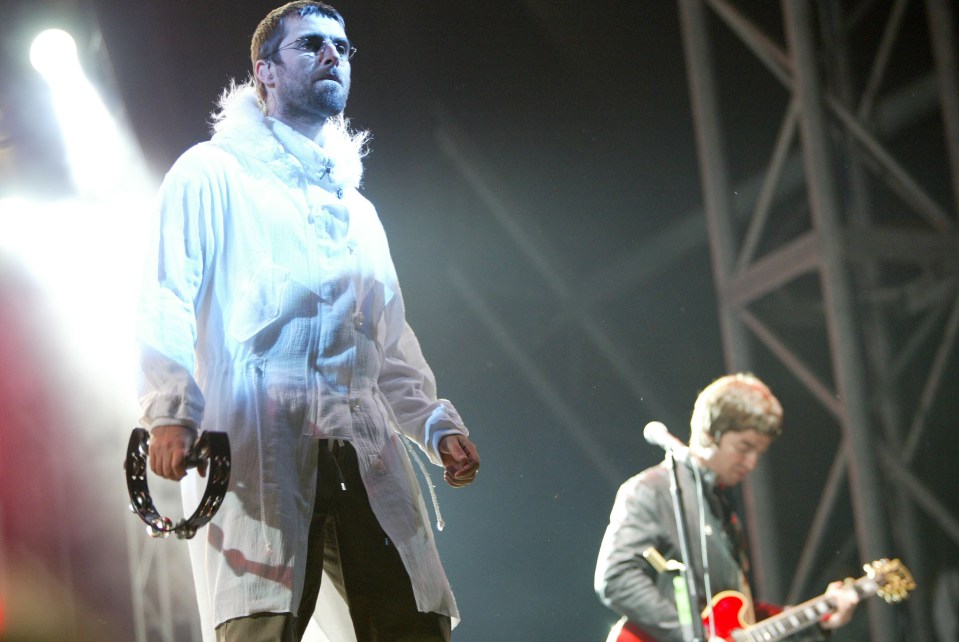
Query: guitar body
[730, 613]
[626, 631]
[733, 619]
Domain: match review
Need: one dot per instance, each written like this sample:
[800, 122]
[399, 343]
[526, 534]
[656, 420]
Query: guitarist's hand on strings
[844, 597]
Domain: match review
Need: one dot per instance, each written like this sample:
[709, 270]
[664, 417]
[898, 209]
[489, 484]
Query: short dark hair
[735, 403]
[272, 29]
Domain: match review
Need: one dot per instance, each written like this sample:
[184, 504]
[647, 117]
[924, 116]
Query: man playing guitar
[734, 421]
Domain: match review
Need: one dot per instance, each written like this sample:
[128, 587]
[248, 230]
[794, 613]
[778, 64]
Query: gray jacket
[643, 516]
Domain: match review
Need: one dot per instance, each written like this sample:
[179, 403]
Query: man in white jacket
[271, 311]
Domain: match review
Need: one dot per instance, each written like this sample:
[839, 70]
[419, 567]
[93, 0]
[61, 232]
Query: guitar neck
[799, 617]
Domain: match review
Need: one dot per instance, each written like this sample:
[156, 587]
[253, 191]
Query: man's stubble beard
[313, 103]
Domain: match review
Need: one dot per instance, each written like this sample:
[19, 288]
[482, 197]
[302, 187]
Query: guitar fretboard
[793, 620]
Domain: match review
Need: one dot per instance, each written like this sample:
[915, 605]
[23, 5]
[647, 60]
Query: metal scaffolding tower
[870, 249]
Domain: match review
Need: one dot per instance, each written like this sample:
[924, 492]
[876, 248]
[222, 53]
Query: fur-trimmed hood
[333, 158]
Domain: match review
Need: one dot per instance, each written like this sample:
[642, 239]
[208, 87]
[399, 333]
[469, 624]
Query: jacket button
[354, 405]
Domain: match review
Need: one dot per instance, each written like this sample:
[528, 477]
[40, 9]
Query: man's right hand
[169, 446]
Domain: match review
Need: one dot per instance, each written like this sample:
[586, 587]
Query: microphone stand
[691, 625]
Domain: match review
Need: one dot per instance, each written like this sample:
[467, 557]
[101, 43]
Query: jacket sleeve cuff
[170, 421]
[438, 434]
[443, 421]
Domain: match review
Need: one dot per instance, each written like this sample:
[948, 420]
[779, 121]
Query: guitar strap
[732, 526]
[734, 530]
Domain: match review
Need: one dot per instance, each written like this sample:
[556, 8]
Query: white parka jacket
[271, 311]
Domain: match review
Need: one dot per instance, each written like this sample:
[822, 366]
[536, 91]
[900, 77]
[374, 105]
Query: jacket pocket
[260, 303]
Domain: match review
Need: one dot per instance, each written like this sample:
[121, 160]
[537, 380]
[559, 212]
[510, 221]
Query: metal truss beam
[867, 258]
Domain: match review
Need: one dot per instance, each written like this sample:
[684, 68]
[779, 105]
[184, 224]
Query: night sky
[535, 168]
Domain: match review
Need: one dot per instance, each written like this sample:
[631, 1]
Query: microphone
[657, 434]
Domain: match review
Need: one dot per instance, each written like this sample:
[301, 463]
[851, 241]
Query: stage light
[84, 252]
[54, 54]
[101, 158]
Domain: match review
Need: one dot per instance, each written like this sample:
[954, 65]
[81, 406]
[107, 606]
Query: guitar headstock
[893, 580]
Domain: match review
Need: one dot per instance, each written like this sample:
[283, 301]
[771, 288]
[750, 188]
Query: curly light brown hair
[272, 29]
[734, 403]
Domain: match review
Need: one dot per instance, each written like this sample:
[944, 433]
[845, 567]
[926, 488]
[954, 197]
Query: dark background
[575, 119]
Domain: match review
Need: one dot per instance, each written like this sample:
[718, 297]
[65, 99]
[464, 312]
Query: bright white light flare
[54, 54]
[100, 157]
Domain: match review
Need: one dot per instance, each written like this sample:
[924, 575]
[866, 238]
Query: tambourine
[211, 446]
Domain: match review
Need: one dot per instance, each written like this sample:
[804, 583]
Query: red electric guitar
[888, 579]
